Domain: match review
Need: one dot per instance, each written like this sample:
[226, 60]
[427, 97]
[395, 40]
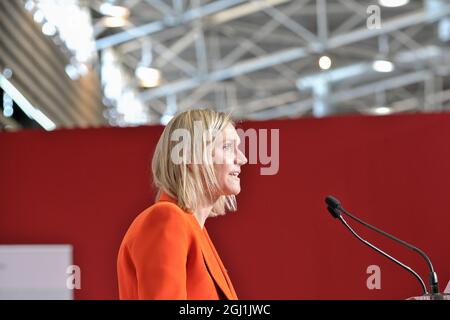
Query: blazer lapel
[222, 267]
[214, 268]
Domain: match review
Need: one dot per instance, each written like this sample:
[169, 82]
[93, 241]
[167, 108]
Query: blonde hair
[187, 183]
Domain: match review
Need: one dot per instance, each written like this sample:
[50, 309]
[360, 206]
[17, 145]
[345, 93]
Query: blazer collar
[164, 196]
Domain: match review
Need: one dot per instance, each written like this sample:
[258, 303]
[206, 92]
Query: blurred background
[79, 63]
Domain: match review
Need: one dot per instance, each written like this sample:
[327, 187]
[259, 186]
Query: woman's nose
[241, 159]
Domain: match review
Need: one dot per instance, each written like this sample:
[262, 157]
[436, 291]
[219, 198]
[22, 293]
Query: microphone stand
[434, 285]
[335, 208]
[404, 266]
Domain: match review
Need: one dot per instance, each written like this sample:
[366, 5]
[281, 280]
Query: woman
[167, 252]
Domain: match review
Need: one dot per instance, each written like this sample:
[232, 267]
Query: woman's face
[228, 160]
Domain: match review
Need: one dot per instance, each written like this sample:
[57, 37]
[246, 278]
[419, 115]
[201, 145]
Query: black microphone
[335, 208]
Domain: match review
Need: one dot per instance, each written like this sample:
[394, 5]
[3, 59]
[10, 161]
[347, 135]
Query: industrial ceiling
[260, 59]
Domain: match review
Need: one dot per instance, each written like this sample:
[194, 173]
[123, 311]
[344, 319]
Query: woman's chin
[232, 191]
[235, 191]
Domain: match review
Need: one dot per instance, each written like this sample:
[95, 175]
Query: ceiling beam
[168, 22]
[288, 55]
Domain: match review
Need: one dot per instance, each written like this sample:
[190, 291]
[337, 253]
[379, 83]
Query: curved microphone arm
[404, 266]
[433, 276]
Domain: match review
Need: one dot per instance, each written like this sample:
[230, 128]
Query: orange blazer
[165, 254]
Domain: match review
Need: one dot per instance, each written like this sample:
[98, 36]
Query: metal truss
[258, 58]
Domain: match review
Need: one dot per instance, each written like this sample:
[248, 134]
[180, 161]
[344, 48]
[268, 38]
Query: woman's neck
[201, 214]
[203, 211]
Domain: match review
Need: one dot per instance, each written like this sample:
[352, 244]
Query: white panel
[35, 272]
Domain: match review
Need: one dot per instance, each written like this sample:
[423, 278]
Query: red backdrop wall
[84, 187]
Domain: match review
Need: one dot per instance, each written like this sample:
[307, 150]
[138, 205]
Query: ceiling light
[324, 62]
[393, 3]
[114, 11]
[7, 72]
[148, 77]
[29, 5]
[382, 110]
[25, 105]
[8, 105]
[114, 22]
[383, 66]
[39, 16]
[72, 72]
[48, 29]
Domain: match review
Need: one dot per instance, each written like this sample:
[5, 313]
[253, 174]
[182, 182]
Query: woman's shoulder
[162, 214]
[161, 224]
